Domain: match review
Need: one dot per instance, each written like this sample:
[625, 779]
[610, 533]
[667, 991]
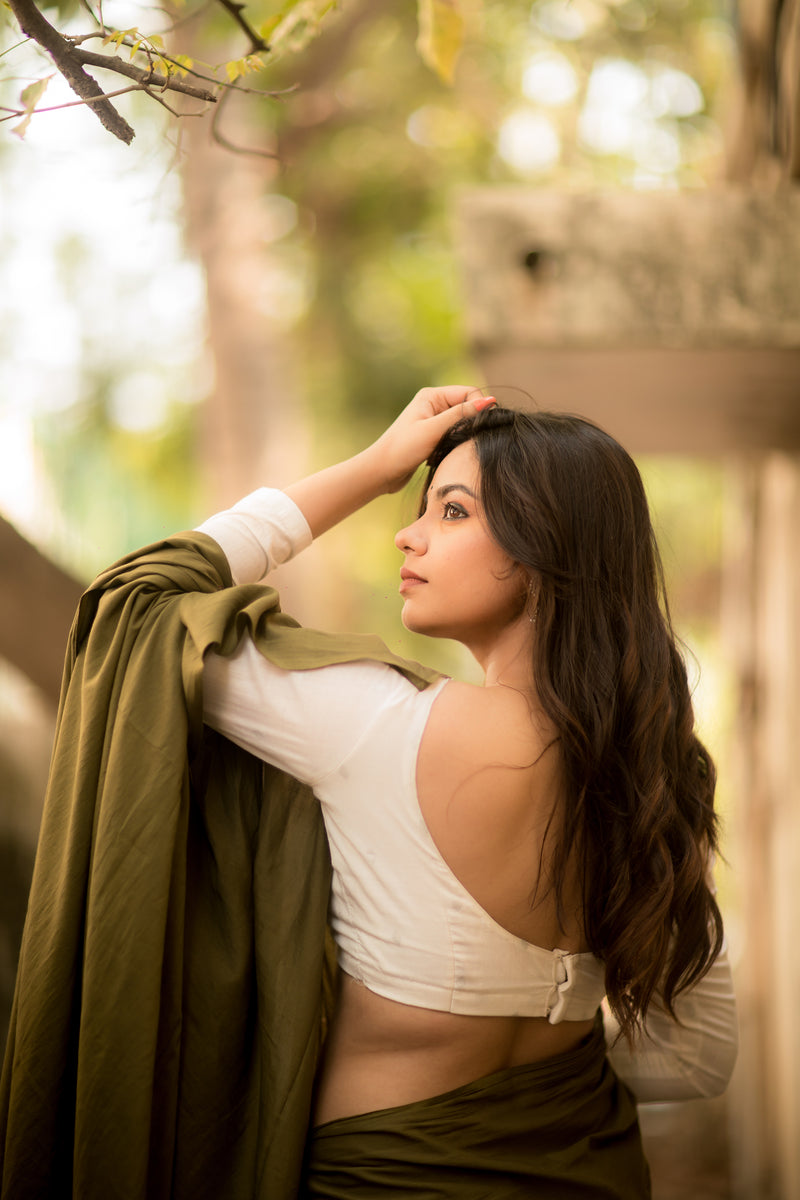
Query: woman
[506, 855]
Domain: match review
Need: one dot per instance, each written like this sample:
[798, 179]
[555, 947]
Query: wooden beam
[37, 603]
[703, 402]
[671, 318]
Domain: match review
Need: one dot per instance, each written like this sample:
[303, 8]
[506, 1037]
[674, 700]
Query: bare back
[488, 780]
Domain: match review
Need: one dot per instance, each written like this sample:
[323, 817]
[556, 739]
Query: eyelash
[456, 508]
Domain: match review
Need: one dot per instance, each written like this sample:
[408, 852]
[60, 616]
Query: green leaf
[441, 36]
[295, 22]
[238, 67]
[32, 94]
[269, 26]
[21, 129]
[183, 64]
[30, 97]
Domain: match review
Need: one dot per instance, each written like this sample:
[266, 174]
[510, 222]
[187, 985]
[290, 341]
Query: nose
[409, 539]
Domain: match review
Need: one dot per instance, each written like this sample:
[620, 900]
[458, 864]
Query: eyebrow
[454, 487]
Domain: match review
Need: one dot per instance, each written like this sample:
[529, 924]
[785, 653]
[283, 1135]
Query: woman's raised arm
[332, 494]
[268, 527]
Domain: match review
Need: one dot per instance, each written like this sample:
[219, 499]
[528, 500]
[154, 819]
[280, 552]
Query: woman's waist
[381, 1053]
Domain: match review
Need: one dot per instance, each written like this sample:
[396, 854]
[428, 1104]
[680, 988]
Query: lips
[409, 580]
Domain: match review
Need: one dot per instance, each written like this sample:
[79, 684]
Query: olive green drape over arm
[169, 1002]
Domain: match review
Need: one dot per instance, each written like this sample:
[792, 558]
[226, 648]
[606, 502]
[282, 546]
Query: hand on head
[330, 495]
[410, 439]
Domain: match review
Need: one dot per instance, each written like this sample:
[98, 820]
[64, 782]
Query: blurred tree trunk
[253, 427]
[253, 430]
[762, 629]
[764, 134]
[761, 603]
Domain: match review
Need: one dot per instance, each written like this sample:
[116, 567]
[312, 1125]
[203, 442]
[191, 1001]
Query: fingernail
[484, 402]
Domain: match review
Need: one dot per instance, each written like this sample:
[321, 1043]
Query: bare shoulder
[488, 776]
[483, 724]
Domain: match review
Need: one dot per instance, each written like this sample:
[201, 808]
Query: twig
[149, 78]
[236, 9]
[16, 46]
[236, 86]
[160, 100]
[221, 140]
[177, 22]
[65, 57]
[98, 20]
[70, 58]
[22, 112]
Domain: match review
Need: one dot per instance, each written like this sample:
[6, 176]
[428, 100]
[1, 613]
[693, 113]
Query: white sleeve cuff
[259, 533]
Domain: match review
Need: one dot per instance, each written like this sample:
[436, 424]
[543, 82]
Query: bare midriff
[381, 1053]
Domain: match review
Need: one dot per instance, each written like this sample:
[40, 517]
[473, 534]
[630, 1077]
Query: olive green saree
[561, 1129]
[169, 1001]
[172, 984]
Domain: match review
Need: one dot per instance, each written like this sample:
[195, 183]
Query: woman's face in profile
[456, 581]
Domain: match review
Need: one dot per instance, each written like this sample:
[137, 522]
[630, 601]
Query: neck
[506, 658]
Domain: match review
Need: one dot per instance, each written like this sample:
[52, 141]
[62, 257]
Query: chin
[408, 621]
[411, 625]
[426, 628]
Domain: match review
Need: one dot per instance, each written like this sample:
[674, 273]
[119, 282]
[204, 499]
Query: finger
[471, 400]
[439, 424]
[440, 400]
[468, 406]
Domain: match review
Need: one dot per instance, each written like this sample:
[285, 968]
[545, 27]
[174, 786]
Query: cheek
[507, 587]
[491, 583]
[510, 598]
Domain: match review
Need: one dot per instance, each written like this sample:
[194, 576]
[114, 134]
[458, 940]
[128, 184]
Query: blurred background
[597, 214]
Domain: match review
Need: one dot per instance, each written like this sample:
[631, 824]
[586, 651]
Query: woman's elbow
[711, 1077]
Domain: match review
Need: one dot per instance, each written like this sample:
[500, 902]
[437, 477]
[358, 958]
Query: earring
[533, 604]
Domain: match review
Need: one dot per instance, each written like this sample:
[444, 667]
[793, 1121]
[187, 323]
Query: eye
[452, 512]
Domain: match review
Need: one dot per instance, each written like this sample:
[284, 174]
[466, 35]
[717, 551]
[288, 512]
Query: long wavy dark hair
[566, 502]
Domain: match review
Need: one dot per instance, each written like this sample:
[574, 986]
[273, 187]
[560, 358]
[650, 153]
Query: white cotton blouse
[404, 924]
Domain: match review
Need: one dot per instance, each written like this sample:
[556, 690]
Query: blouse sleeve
[262, 531]
[305, 722]
[686, 1060]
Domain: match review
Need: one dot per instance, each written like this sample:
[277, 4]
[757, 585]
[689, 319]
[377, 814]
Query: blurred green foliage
[374, 149]
[123, 488]
[372, 146]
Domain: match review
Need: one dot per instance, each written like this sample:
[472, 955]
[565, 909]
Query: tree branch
[148, 78]
[68, 62]
[236, 9]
